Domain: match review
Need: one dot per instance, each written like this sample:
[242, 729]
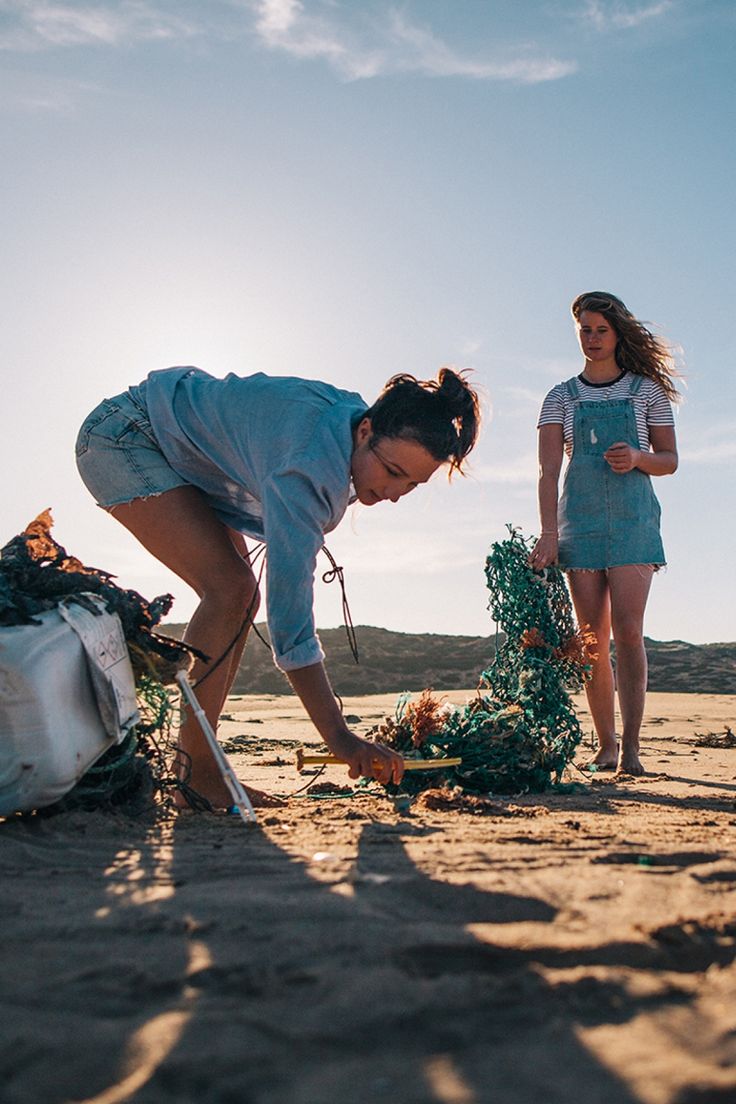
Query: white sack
[67, 694]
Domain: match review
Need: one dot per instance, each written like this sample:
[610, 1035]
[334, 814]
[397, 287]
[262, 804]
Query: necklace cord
[336, 572]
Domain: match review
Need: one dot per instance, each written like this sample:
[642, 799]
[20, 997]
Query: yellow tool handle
[303, 759]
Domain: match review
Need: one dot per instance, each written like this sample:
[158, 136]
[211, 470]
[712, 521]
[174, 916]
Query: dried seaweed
[36, 573]
[725, 739]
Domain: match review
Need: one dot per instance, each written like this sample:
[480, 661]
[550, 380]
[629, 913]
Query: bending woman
[614, 421]
[189, 464]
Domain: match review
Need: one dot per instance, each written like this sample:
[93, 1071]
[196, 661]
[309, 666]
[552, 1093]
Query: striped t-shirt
[651, 405]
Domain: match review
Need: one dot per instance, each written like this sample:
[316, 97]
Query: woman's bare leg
[592, 601]
[238, 648]
[629, 587]
[182, 531]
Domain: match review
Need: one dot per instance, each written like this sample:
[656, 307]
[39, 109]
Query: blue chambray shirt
[272, 454]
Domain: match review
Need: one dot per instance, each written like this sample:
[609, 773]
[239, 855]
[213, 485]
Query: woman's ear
[364, 431]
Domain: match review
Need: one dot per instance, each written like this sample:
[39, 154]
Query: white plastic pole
[240, 798]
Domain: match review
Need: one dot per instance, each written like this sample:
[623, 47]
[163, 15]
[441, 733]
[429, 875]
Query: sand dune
[559, 948]
[394, 661]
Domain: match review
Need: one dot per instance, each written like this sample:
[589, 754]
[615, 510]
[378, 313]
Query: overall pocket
[600, 425]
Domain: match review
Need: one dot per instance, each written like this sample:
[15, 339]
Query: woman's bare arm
[551, 448]
[364, 758]
[662, 460]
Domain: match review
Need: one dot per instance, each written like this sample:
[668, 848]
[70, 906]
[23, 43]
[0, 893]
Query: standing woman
[614, 421]
[190, 463]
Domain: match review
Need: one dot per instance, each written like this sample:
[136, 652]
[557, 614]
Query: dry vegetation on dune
[392, 661]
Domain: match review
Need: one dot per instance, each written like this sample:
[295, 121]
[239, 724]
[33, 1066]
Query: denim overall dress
[606, 518]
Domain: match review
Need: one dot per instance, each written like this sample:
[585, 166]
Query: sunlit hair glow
[442, 415]
[637, 349]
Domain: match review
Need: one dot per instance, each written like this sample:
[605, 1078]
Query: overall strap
[635, 384]
[572, 387]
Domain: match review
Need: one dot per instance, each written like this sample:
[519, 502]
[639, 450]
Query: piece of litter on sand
[402, 803]
[322, 856]
[370, 878]
[330, 796]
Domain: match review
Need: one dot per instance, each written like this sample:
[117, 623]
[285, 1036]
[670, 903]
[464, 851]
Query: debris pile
[36, 573]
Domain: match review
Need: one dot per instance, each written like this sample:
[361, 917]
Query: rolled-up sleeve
[295, 514]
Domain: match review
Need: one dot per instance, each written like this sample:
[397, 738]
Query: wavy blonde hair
[637, 348]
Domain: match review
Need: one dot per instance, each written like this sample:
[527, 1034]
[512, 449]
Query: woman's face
[386, 468]
[597, 337]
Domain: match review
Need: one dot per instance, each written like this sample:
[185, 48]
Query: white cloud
[42, 24]
[394, 46]
[357, 41]
[285, 25]
[623, 16]
[277, 17]
[422, 51]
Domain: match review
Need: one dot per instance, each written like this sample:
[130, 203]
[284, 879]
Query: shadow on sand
[201, 962]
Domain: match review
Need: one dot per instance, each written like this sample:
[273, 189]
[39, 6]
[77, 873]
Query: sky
[346, 190]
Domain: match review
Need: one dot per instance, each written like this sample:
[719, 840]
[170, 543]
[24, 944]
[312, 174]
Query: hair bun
[455, 391]
[442, 414]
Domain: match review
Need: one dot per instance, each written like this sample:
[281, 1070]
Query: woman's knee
[233, 588]
[629, 636]
[599, 658]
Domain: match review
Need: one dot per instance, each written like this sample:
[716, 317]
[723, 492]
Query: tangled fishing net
[520, 731]
[36, 573]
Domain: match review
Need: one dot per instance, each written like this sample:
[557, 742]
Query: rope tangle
[520, 731]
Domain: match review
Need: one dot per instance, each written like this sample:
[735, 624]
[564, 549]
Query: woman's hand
[544, 552]
[363, 757]
[368, 759]
[621, 457]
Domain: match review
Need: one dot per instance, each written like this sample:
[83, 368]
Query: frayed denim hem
[592, 570]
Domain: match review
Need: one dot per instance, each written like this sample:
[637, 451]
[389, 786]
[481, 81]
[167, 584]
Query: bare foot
[630, 763]
[606, 758]
[258, 799]
[205, 780]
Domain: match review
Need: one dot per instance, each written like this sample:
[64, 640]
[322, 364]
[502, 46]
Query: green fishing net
[520, 731]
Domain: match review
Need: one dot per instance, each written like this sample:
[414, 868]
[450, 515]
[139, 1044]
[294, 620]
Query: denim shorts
[118, 456]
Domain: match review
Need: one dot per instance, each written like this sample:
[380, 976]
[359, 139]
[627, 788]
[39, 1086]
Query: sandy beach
[540, 948]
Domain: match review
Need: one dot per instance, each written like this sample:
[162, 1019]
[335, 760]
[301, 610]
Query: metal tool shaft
[304, 759]
[240, 798]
